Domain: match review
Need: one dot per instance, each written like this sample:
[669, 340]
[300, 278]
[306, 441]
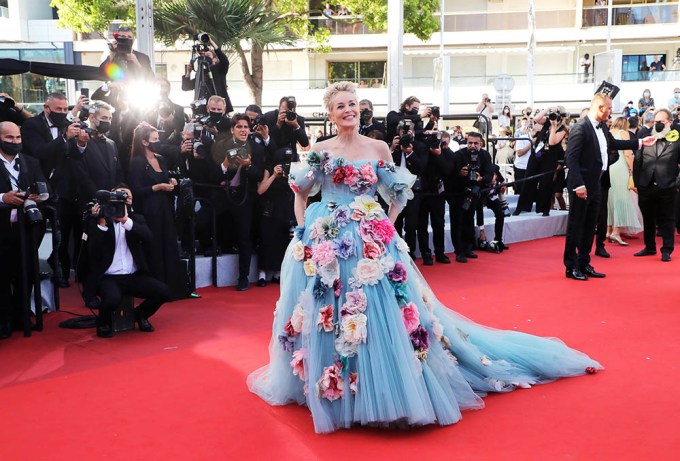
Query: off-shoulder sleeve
[304, 177]
[394, 183]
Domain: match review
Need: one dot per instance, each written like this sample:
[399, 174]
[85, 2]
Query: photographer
[215, 79]
[407, 111]
[96, 164]
[169, 119]
[17, 174]
[259, 130]
[412, 154]
[432, 204]
[46, 137]
[484, 107]
[472, 171]
[117, 267]
[286, 127]
[494, 201]
[154, 190]
[134, 63]
[368, 124]
[237, 164]
[10, 111]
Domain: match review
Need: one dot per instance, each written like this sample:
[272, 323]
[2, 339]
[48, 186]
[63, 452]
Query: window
[4, 9]
[642, 66]
[32, 88]
[365, 74]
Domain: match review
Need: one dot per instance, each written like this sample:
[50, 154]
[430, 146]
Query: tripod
[204, 85]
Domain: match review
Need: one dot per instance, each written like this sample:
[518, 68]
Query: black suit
[584, 160]
[101, 249]
[655, 172]
[219, 78]
[97, 168]
[56, 164]
[286, 136]
[12, 269]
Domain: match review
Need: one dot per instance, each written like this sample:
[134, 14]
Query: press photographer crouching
[472, 171]
[18, 213]
[114, 252]
[236, 163]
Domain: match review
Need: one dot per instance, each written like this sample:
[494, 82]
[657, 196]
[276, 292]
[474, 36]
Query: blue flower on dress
[345, 246]
[400, 293]
[341, 215]
[319, 289]
[299, 231]
[287, 342]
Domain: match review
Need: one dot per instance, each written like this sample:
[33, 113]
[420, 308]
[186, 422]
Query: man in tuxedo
[589, 153]
[135, 63]
[46, 137]
[286, 127]
[96, 162]
[368, 123]
[117, 266]
[215, 80]
[17, 173]
[655, 173]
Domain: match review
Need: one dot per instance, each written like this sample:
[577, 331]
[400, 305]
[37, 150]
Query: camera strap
[14, 182]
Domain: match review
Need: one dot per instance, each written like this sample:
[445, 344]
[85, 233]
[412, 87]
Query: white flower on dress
[366, 207]
[298, 251]
[353, 328]
[329, 273]
[386, 263]
[310, 268]
[402, 246]
[368, 272]
[297, 319]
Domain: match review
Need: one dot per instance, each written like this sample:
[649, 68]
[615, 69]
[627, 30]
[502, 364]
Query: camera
[39, 188]
[83, 126]
[200, 145]
[111, 203]
[433, 139]
[555, 115]
[365, 116]
[291, 104]
[184, 190]
[434, 110]
[287, 160]
[473, 191]
[123, 44]
[199, 106]
[202, 40]
[240, 152]
[32, 212]
[406, 139]
[6, 102]
[260, 120]
[165, 109]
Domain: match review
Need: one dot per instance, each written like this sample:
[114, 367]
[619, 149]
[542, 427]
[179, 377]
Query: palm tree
[229, 23]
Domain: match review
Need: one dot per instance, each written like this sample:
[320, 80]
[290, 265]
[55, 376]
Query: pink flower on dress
[325, 318]
[381, 163]
[337, 287]
[411, 317]
[339, 175]
[294, 187]
[308, 253]
[383, 230]
[351, 175]
[372, 250]
[356, 302]
[298, 363]
[331, 385]
[368, 174]
[354, 382]
[323, 253]
[288, 328]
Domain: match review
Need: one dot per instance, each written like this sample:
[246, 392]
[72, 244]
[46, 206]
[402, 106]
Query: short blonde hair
[621, 123]
[336, 88]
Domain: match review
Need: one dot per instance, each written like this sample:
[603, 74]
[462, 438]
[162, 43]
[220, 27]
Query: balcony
[632, 15]
[342, 25]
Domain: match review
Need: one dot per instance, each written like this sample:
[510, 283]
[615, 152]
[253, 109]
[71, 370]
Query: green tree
[229, 23]
[419, 15]
[93, 15]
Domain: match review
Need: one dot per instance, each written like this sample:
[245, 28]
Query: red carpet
[180, 393]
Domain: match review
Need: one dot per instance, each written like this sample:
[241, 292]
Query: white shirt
[602, 140]
[521, 162]
[123, 263]
[14, 173]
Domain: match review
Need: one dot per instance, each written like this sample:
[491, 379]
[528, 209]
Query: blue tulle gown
[358, 335]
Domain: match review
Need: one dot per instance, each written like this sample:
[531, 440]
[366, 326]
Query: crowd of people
[237, 167]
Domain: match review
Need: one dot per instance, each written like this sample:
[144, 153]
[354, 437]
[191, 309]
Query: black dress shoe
[502, 246]
[442, 259]
[461, 259]
[471, 255]
[242, 285]
[5, 330]
[516, 213]
[104, 331]
[602, 253]
[276, 279]
[665, 256]
[144, 325]
[427, 260]
[63, 283]
[575, 274]
[261, 283]
[645, 252]
[591, 272]
[546, 213]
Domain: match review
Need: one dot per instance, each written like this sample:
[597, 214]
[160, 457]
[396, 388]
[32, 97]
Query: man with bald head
[17, 174]
[587, 158]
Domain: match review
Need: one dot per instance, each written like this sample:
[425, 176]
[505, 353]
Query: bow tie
[600, 125]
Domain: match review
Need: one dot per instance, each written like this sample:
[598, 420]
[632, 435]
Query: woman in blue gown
[358, 335]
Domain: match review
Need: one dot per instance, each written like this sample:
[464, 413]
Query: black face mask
[103, 127]
[413, 111]
[10, 148]
[215, 116]
[58, 119]
[659, 126]
[155, 146]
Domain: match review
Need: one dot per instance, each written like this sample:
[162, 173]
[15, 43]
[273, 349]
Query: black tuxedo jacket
[583, 157]
[29, 172]
[286, 136]
[53, 155]
[97, 168]
[101, 246]
[455, 183]
[658, 163]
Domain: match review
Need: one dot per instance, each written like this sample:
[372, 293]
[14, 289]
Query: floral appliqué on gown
[358, 335]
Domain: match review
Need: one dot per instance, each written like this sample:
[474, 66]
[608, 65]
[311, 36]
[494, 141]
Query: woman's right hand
[278, 170]
[164, 187]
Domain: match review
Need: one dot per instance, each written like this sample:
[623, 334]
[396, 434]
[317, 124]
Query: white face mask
[646, 95]
[506, 111]
[630, 106]
[677, 96]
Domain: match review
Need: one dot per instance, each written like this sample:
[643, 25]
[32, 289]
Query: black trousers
[10, 281]
[408, 219]
[71, 226]
[601, 231]
[432, 210]
[519, 174]
[499, 217]
[112, 288]
[658, 210]
[462, 223]
[581, 229]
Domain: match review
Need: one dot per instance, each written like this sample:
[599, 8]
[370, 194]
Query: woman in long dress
[622, 206]
[358, 335]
